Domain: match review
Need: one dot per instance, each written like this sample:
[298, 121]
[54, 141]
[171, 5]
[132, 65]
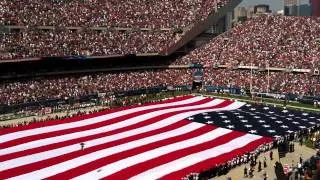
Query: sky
[275, 5]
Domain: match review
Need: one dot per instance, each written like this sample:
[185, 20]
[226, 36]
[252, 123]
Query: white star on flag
[304, 119]
[226, 121]
[266, 108]
[248, 125]
[302, 127]
[252, 109]
[273, 117]
[312, 117]
[312, 123]
[285, 111]
[209, 122]
[285, 127]
[205, 113]
[240, 117]
[236, 113]
[261, 121]
[230, 126]
[289, 119]
[279, 122]
[270, 112]
[207, 117]
[244, 121]
[224, 117]
[305, 114]
[291, 115]
[266, 125]
[289, 131]
[190, 118]
[248, 105]
[271, 131]
[253, 131]
[220, 113]
[295, 122]
[256, 117]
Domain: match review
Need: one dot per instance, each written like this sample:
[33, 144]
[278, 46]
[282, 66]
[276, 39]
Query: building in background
[291, 7]
[305, 10]
[296, 8]
[280, 12]
[250, 11]
[261, 9]
[315, 4]
[240, 14]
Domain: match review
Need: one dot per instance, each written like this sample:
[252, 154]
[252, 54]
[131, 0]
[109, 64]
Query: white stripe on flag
[192, 159]
[75, 147]
[145, 156]
[124, 123]
[100, 154]
[85, 122]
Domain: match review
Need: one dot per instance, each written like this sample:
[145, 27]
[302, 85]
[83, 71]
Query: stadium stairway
[201, 26]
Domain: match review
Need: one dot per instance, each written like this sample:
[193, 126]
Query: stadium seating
[40, 43]
[279, 82]
[65, 87]
[277, 41]
[43, 26]
[264, 41]
[106, 13]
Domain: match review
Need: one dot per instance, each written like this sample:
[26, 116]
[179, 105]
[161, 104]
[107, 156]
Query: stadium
[159, 89]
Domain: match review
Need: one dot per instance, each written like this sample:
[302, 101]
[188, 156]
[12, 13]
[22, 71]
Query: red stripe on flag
[96, 136]
[204, 165]
[139, 168]
[83, 117]
[91, 126]
[52, 161]
[116, 157]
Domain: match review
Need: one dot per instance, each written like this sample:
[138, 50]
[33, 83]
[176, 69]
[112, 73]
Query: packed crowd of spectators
[277, 41]
[279, 82]
[64, 87]
[63, 42]
[174, 16]
[106, 13]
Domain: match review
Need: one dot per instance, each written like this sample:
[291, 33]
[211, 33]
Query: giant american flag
[160, 140]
